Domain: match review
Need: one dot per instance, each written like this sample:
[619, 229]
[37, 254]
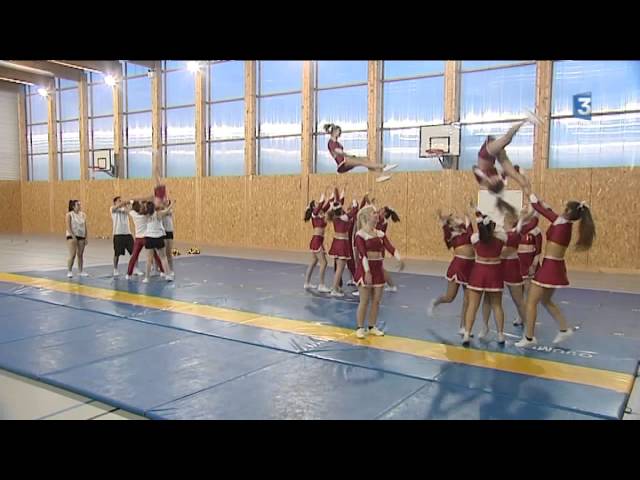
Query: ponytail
[330, 128]
[309, 211]
[391, 213]
[586, 229]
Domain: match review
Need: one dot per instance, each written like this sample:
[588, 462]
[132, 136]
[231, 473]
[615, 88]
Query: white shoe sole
[390, 167]
[383, 178]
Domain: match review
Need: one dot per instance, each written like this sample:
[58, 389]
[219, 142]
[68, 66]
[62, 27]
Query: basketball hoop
[445, 159]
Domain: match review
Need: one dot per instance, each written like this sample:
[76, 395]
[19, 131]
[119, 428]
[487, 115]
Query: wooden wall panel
[614, 194]
[183, 191]
[225, 214]
[35, 207]
[560, 186]
[263, 219]
[11, 211]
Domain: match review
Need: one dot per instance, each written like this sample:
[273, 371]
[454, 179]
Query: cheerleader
[384, 215]
[529, 250]
[347, 162]
[316, 213]
[552, 273]
[77, 237]
[341, 249]
[457, 235]
[370, 243]
[154, 239]
[493, 149]
[511, 273]
[486, 276]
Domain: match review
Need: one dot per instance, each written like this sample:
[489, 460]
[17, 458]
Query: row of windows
[493, 95]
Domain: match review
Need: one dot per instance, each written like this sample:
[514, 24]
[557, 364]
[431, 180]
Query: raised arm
[542, 208]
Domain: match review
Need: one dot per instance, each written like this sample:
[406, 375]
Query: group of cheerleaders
[152, 218]
[486, 256]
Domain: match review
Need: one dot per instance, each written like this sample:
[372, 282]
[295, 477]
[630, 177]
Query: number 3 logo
[582, 105]
[585, 105]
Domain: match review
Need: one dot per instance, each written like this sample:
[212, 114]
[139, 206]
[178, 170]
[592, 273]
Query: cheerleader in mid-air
[347, 162]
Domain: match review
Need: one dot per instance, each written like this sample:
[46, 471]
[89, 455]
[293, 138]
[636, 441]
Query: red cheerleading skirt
[317, 243]
[526, 260]
[552, 274]
[340, 249]
[377, 274]
[511, 271]
[459, 270]
[486, 277]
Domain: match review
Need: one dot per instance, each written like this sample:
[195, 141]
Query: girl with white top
[122, 239]
[139, 217]
[76, 222]
[154, 239]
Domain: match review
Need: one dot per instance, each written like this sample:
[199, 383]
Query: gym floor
[237, 337]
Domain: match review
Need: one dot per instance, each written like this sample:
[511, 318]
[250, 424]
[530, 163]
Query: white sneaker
[391, 289]
[170, 278]
[526, 343]
[138, 273]
[336, 293]
[562, 336]
[518, 322]
[356, 293]
[351, 283]
[533, 118]
[127, 276]
[466, 339]
[461, 331]
[376, 331]
[383, 178]
[391, 166]
[146, 280]
[161, 274]
[115, 272]
[322, 288]
[484, 333]
[308, 286]
[69, 275]
[501, 339]
[360, 333]
[432, 307]
[84, 274]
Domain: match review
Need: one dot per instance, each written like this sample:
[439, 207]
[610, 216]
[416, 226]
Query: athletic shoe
[383, 178]
[461, 331]
[501, 339]
[466, 339]
[308, 286]
[138, 273]
[562, 336]
[484, 333]
[69, 275]
[162, 274]
[526, 343]
[518, 322]
[322, 288]
[170, 278]
[391, 289]
[432, 307]
[115, 273]
[376, 332]
[356, 293]
[128, 277]
[84, 274]
[145, 280]
[533, 118]
[388, 168]
[360, 333]
[336, 293]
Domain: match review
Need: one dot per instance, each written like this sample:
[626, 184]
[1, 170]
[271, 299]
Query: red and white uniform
[553, 271]
[318, 221]
[530, 247]
[486, 166]
[341, 246]
[369, 250]
[511, 264]
[460, 267]
[487, 275]
[337, 152]
[351, 263]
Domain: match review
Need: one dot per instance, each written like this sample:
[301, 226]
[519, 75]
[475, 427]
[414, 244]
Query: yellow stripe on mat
[617, 381]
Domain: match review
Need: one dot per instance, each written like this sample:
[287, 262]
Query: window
[225, 107]
[37, 109]
[68, 123]
[612, 137]
[341, 93]
[178, 120]
[279, 120]
[100, 119]
[494, 95]
[413, 95]
[138, 121]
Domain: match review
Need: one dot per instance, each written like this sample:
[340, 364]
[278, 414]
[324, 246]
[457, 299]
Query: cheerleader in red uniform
[493, 149]
[487, 275]
[552, 273]
[457, 235]
[384, 215]
[341, 249]
[316, 213]
[347, 162]
[370, 243]
[352, 213]
[529, 250]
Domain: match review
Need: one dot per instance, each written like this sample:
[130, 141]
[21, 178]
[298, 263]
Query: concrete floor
[22, 398]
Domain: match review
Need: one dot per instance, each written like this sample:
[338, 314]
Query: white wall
[9, 143]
